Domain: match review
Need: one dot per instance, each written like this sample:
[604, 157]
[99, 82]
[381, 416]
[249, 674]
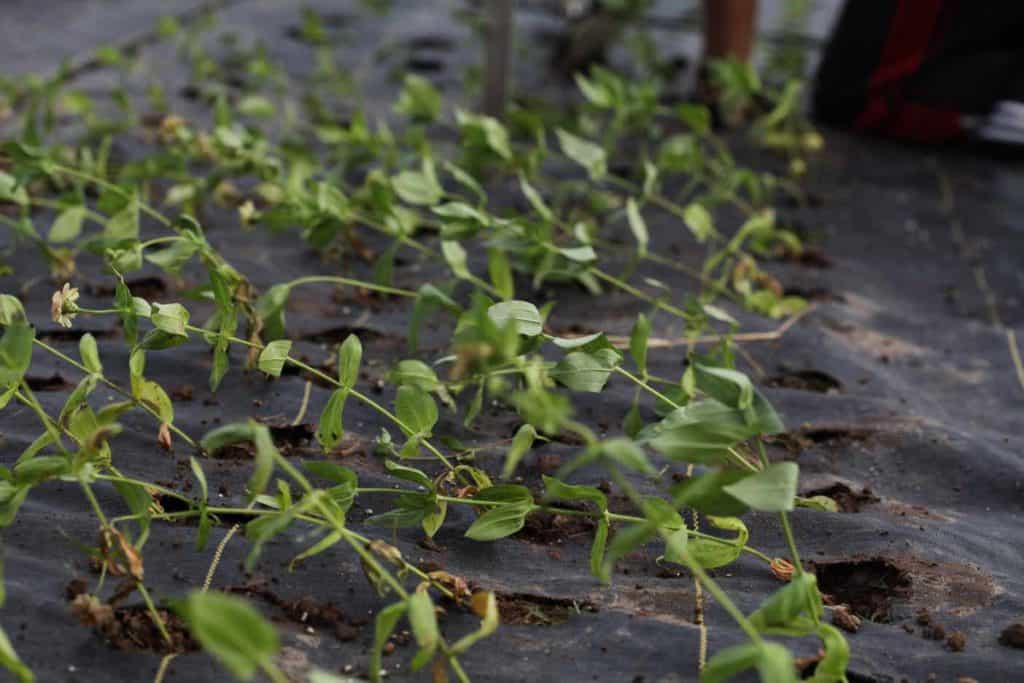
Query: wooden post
[498, 37]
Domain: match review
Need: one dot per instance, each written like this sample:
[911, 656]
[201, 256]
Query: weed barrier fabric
[898, 390]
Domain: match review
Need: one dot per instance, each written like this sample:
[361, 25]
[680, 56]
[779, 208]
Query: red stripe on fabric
[914, 122]
[909, 36]
[885, 110]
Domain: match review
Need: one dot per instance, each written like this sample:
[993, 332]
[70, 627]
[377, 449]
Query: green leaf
[676, 544]
[581, 254]
[832, 669]
[726, 386]
[524, 316]
[499, 522]
[590, 156]
[638, 226]
[411, 509]
[705, 493]
[124, 225]
[535, 199]
[596, 93]
[15, 353]
[589, 342]
[822, 503]
[154, 395]
[455, 257]
[701, 432]
[416, 409]
[11, 190]
[598, 547]
[725, 664]
[10, 661]
[501, 273]
[696, 116]
[90, 354]
[699, 221]
[40, 468]
[776, 664]
[486, 130]
[419, 99]
[68, 224]
[266, 454]
[273, 356]
[433, 521]
[711, 554]
[170, 318]
[488, 625]
[233, 632]
[521, 443]
[330, 429]
[638, 342]
[628, 454]
[625, 541]
[583, 371]
[423, 620]
[408, 474]
[350, 355]
[11, 310]
[420, 188]
[173, 257]
[271, 308]
[414, 373]
[227, 435]
[383, 626]
[555, 489]
[790, 610]
[771, 490]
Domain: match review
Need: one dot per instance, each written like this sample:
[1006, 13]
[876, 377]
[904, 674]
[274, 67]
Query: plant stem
[71, 361]
[153, 614]
[639, 293]
[698, 571]
[311, 279]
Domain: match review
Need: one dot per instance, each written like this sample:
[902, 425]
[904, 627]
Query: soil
[868, 587]
[130, 627]
[1013, 636]
[548, 528]
[845, 497]
[304, 611]
[805, 380]
[535, 610]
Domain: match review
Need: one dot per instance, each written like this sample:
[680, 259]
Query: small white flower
[62, 305]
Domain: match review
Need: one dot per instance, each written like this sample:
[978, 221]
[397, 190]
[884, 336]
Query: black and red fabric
[920, 69]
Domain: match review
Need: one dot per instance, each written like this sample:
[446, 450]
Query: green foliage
[308, 177]
[232, 631]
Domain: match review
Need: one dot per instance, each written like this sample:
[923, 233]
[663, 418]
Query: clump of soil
[289, 439]
[52, 383]
[336, 335]
[538, 610]
[956, 641]
[868, 586]
[845, 619]
[830, 435]
[549, 528]
[836, 434]
[64, 336]
[132, 627]
[305, 611]
[845, 497]
[805, 380]
[1013, 636]
[149, 288]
